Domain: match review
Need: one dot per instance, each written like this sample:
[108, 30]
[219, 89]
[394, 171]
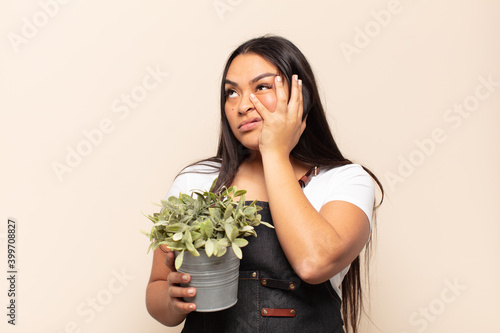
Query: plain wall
[412, 91]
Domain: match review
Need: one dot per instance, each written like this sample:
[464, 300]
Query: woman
[276, 144]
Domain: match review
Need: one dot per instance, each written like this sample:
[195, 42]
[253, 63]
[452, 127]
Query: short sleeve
[178, 186]
[349, 183]
[353, 184]
[194, 178]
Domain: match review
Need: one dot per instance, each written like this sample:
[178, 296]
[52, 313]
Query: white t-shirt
[349, 183]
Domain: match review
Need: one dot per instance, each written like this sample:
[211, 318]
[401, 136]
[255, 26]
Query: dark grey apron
[271, 297]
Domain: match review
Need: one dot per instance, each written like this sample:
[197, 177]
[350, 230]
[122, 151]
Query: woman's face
[249, 74]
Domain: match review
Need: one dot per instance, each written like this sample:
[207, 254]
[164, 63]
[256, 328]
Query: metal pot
[215, 280]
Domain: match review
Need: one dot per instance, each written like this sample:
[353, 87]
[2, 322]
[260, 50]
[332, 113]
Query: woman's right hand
[175, 291]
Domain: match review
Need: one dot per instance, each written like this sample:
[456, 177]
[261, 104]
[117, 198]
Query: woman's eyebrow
[255, 79]
[261, 76]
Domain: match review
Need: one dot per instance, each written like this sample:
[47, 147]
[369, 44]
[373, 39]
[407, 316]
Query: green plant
[210, 221]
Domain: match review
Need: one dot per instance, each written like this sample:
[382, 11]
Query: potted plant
[207, 231]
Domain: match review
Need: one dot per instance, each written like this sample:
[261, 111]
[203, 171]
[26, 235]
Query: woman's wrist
[160, 305]
[275, 159]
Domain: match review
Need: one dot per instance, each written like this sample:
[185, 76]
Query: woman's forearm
[312, 245]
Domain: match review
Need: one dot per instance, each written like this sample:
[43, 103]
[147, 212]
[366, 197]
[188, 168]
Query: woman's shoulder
[197, 176]
[205, 167]
[351, 183]
[347, 178]
[344, 172]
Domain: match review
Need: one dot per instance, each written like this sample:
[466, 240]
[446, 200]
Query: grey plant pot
[215, 280]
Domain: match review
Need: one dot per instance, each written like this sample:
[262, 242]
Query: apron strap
[305, 179]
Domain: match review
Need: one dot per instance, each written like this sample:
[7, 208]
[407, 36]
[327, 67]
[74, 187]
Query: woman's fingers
[170, 260]
[295, 102]
[178, 278]
[179, 292]
[301, 101]
[183, 307]
[281, 94]
[261, 109]
[294, 97]
[176, 292]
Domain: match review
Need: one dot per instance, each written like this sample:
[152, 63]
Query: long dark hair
[316, 145]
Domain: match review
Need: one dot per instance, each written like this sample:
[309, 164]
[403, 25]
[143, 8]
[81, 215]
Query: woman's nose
[245, 105]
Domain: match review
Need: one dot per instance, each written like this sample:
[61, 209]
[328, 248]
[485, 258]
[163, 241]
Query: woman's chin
[251, 147]
[251, 143]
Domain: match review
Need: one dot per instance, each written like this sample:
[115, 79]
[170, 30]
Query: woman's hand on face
[175, 291]
[282, 127]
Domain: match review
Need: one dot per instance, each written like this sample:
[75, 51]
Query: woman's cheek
[230, 116]
[269, 100]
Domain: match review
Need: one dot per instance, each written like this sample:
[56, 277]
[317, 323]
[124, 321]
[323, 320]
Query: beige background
[436, 260]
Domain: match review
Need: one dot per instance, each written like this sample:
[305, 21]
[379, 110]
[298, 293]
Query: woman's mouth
[249, 124]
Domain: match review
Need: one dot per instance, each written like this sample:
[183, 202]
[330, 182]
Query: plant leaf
[246, 228]
[199, 243]
[194, 252]
[239, 193]
[187, 237]
[223, 242]
[267, 224]
[216, 248]
[179, 259]
[249, 211]
[190, 247]
[221, 250]
[195, 235]
[213, 185]
[228, 212]
[237, 250]
[209, 228]
[209, 247]
[215, 214]
[234, 233]
[240, 242]
[229, 228]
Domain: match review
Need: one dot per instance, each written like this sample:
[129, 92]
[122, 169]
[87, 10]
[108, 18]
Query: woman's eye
[231, 93]
[263, 87]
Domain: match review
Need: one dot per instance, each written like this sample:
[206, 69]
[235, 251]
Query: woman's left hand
[282, 127]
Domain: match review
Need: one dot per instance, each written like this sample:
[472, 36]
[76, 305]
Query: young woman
[276, 144]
